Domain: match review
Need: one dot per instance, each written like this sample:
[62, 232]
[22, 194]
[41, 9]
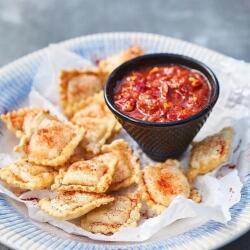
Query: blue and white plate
[19, 232]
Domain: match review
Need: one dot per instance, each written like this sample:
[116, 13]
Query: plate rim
[70, 44]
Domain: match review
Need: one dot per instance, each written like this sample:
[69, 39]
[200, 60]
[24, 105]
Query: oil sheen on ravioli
[76, 86]
[209, 153]
[128, 166]
[27, 176]
[98, 121]
[20, 121]
[161, 183]
[70, 205]
[109, 64]
[93, 175]
[124, 211]
[51, 143]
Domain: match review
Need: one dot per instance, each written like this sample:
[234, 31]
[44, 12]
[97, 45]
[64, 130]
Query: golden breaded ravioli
[161, 183]
[28, 176]
[124, 211]
[76, 86]
[209, 153]
[70, 205]
[109, 64]
[98, 131]
[92, 107]
[128, 167]
[93, 175]
[19, 121]
[51, 143]
[98, 121]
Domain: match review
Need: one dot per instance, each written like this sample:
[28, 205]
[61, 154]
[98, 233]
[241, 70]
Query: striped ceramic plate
[19, 232]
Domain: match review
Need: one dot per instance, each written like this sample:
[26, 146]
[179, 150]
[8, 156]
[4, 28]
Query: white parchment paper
[220, 189]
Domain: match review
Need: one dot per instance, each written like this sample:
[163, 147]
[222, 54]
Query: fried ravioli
[109, 64]
[94, 175]
[161, 183]
[128, 166]
[124, 211]
[98, 131]
[27, 176]
[19, 121]
[209, 153]
[70, 205]
[51, 143]
[76, 86]
[98, 121]
[92, 107]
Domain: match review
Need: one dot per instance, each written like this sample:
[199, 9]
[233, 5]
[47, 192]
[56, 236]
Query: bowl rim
[121, 115]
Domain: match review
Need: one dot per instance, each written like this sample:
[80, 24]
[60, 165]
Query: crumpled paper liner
[220, 189]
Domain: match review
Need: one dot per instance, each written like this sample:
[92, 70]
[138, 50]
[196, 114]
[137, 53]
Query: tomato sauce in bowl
[162, 93]
[162, 100]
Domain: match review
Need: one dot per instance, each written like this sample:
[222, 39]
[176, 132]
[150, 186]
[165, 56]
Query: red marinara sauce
[162, 93]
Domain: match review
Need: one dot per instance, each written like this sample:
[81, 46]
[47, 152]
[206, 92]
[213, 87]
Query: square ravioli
[128, 167]
[98, 121]
[93, 107]
[124, 211]
[109, 64]
[70, 205]
[93, 175]
[76, 86]
[209, 153]
[51, 143]
[27, 176]
[161, 183]
[20, 121]
[98, 131]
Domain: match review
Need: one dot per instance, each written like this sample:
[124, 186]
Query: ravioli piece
[109, 64]
[209, 153]
[161, 183]
[124, 211]
[98, 121]
[27, 176]
[70, 205]
[93, 175]
[76, 86]
[19, 121]
[128, 166]
[95, 107]
[98, 131]
[52, 143]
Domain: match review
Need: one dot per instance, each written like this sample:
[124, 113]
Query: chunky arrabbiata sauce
[162, 93]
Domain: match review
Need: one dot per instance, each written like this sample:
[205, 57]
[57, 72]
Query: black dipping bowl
[161, 140]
